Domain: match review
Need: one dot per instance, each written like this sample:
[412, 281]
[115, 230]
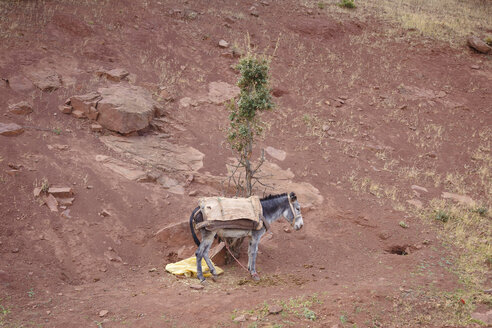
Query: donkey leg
[250, 254]
[206, 256]
[255, 240]
[207, 239]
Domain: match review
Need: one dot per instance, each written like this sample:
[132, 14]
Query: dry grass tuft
[448, 20]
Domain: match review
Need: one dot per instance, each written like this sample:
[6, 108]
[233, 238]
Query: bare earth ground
[365, 109]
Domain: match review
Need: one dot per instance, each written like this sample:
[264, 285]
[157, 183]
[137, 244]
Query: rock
[220, 92]
[478, 44]
[104, 213]
[66, 214]
[151, 176]
[275, 309]
[153, 270]
[45, 80]
[486, 317]
[96, 127]
[93, 113]
[187, 102]
[84, 103]
[158, 153]
[37, 191]
[415, 202]
[65, 109]
[51, 202]
[115, 75]
[171, 184]
[253, 318]
[102, 313]
[65, 201]
[112, 257]
[441, 94]
[276, 153]
[130, 172]
[475, 67]
[21, 108]
[418, 188]
[384, 235]
[126, 109]
[254, 11]
[15, 250]
[240, 318]
[223, 44]
[58, 147]
[193, 193]
[196, 286]
[61, 192]
[10, 129]
[463, 199]
[78, 114]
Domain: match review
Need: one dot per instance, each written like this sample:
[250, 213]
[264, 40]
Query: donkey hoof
[204, 282]
[215, 278]
[255, 277]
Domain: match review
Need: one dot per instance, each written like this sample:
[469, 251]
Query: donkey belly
[233, 233]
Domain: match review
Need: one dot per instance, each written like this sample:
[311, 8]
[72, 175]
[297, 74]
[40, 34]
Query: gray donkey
[274, 207]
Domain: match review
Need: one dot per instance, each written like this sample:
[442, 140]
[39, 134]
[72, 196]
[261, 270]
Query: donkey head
[293, 213]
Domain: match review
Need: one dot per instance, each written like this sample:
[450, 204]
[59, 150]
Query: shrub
[442, 216]
[347, 4]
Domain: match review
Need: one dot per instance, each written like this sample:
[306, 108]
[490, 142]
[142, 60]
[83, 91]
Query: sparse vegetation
[347, 4]
[441, 216]
[448, 20]
[45, 185]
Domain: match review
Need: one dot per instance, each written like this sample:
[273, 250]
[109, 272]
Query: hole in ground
[398, 249]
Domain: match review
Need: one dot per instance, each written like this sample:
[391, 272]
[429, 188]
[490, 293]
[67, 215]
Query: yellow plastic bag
[187, 267]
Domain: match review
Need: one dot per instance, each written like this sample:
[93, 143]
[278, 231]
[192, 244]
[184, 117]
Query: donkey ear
[292, 197]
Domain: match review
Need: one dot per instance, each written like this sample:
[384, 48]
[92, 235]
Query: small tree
[245, 123]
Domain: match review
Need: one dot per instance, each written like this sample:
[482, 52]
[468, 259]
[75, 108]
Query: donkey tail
[192, 228]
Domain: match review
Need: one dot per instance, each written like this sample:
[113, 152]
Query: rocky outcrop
[84, 103]
[21, 108]
[156, 152]
[479, 45]
[125, 108]
[10, 129]
[45, 80]
[120, 108]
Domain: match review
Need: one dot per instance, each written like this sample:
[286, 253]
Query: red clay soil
[359, 102]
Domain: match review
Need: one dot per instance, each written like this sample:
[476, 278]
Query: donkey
[274, 207]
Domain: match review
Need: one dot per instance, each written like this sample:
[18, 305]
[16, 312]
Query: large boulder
[125, 108]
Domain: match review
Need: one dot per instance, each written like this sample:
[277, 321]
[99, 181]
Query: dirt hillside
[381, 127]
